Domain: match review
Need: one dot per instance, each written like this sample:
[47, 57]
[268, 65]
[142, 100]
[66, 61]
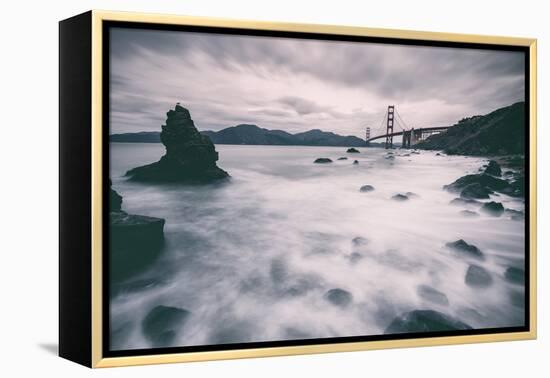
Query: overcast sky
[297, 85]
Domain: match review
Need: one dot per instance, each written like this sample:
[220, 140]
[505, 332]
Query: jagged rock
[162, 324]
[477, 276]
[190, 156]
[366, 188]
[462, 247]
[425, 321]
[135, 240]
[322, 160]
[115, 199]
[352, 150]
[493, 169]
[469, 213]
[483, 179]
[475, 190]
[339, 297]
[342, 158]
[516, 188]
[430, 294]
[355, 162]
[492, 208]
[515, 275]
[400, 197]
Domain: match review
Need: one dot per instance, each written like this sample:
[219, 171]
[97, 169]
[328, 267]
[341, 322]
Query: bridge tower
[389, 127]
[367, 134]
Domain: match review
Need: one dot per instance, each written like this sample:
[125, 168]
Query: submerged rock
[462, 247]
[492, 208]
[430, 294]
[425, 321]
[493, 169]
[162, 324]
[486, 181]
[339, 297]
[355, 162]
[400, 197]
[477, 276]
[464, 201]
[342, 158]
[475, 190]
[322, 160]
[366, 188]
[469, 213]
[352, 150]
[515, 275]
[359, 241]
[190, 156]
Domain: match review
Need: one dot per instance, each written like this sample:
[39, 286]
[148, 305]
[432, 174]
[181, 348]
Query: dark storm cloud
[297, 85]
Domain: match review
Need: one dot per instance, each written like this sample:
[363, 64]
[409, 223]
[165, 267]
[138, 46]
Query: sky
[298, 84]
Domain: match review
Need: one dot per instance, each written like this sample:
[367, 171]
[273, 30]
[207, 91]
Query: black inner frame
[107, 25]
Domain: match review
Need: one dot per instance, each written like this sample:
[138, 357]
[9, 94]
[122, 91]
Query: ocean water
[253, 259]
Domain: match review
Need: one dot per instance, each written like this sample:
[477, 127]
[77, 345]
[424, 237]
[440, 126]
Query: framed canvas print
[236, 189]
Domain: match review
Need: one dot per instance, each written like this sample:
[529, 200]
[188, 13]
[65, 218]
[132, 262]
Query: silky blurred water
[253, 259]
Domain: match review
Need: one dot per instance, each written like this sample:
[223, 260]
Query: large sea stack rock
[190, 156]
[135, 240]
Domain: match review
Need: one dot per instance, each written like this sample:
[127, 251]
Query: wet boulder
[477, 276]
[342, 158]
[355, 162]
[487, 181]
[492, 208]
[322, 161]
[432, 295]
[515, 275]
[400, 197]
[339, 297]
[162, 324]
[493, 169]
[425, 321]
[352, 150]
[475, 190]
[463, 248]
[366, 188]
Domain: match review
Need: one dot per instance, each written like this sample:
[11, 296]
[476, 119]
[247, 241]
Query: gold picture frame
[94, 356]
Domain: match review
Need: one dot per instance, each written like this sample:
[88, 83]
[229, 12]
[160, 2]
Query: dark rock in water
[354, 257]
[115, 199]
[464, 248]
[438, 154]
[359, 241]
[475, 190]
[469, 213]
[477, 276]
[190, 156]
[366, 188]
[339, 297]
[425, 321]
[515, 275]
[400, 197]
[162, 324]
[492, 208]
[342, 158]
[483, 179]
[323, 160]
[493, 169]
[135, 240]
[514, 213]
[430, 294]
[412, 195]
[355, 162]
[390, 157]
[352, 150]
[516, 188]
[464, 201]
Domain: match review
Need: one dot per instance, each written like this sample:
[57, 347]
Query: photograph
[279, 189]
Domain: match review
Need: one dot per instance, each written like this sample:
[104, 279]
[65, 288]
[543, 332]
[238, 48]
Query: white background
[29, 215]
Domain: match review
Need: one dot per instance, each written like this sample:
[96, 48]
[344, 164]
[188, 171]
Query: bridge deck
[423, 129]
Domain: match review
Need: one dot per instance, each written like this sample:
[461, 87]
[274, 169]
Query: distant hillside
[254, 135]
[141, 137]
[501, 132]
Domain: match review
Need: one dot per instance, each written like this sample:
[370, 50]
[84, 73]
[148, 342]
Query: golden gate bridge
[410, 135]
